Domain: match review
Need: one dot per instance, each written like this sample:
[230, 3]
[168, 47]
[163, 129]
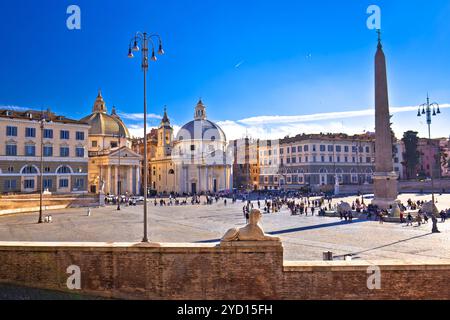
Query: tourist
[89, 212]
[410, 219]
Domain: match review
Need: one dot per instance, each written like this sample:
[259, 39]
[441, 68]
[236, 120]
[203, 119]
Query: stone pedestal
[336, 189]
[385, 189]
[101, 199]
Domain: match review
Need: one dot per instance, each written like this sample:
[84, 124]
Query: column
[116, 178]
[224, 177]
[108, 180]
[130, 180]
[208, 185]
[199, 179]
[138, 178]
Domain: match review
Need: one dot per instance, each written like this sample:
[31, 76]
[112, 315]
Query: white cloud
[15, 108]
[350, 122]
[138, 116]
[323, 116]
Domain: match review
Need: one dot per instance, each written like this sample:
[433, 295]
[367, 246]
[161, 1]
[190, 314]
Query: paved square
[304, 238]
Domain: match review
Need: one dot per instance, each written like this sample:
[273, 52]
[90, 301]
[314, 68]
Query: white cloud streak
[138, 116]
[15, 108]
[323, 116]
[277, 127]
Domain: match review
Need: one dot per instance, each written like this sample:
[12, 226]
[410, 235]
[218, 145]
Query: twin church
[193, 161]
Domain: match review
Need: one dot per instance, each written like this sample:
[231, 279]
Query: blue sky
[258, 65]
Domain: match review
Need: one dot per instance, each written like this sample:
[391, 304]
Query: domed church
[195, 161]
[113, 167]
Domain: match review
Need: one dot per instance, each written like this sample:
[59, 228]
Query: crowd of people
[300, 204]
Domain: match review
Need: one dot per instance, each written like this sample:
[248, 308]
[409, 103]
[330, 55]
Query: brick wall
[190, 271]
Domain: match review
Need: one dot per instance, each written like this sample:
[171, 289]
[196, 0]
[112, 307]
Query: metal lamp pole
[41, 187]
[119, 183]
[430, 109]
[144, 39]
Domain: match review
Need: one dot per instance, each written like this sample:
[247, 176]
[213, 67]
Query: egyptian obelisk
[385, 178]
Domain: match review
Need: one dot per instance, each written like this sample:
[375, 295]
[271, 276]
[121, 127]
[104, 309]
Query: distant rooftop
[34, 115]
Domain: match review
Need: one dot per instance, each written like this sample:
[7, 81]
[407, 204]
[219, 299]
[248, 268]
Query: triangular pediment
[125, 152]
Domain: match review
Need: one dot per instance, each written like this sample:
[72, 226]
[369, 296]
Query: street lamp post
[119, 183]
[41, 184]
[429, 110]
[145, 39]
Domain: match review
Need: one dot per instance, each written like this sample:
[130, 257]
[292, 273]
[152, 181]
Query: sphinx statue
[344, 207]
[251, 232]
[430, 209]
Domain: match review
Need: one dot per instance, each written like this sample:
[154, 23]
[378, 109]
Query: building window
[322, 158]
[79, 183]
[63, 170]
[30, 132]
[10, 185]
[29, 170]
[28, 184]
[48, 133]
[11, 131]
[368, 160]
[48, 183]
[79, 135]
[47, 169]
[79, 152]
[30, 151]
[314, 148]
[338, 159]
[330, 158]
[64, 135]
[338, 148]
[11, 150]
[294, 160]
[354, 149]
[346, 149]
[48, 151]
[281, 151]
[11, 169]
[63, 183]
[114, 144]
[322, 148]
[306, 159]
[367, 149]
[306, 148]
[192, 147]
[294, 149]
[330, 148]
[94, 144]
[64, 151]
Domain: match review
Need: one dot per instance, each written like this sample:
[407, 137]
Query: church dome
[200, 128]
[104, 124]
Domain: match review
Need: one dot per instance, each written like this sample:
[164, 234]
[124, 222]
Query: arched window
[29, 170]
[63, 170]
[171, 171]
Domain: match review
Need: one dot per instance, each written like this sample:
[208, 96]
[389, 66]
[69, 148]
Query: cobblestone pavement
[304, 238]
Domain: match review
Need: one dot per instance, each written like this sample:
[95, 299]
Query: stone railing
[234, 270]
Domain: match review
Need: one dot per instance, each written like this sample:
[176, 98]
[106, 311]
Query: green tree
[411, 155]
